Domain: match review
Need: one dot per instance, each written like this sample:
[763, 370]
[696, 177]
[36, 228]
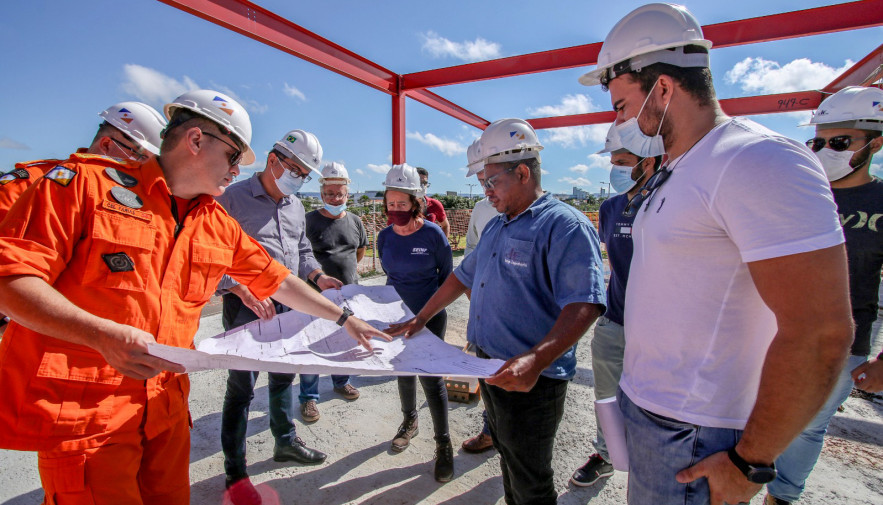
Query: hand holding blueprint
[294, 342]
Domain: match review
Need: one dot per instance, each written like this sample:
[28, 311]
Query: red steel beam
[815, 21]
[742, 106]
[438, 103]
[264, 26]
[862, 73]
[398, 129]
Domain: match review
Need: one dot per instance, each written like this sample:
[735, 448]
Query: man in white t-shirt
[738, 317]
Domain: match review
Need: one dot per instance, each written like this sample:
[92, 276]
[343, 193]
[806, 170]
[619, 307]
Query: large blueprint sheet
[297, 343]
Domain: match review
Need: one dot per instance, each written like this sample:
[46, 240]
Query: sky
[63, 62]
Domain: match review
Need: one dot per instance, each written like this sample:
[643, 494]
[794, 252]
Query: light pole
[470, 189]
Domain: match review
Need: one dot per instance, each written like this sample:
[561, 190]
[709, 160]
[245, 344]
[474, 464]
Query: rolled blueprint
[613, 426]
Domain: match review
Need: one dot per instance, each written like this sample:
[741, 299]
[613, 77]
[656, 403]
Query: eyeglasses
[294, 169]
[334, 195]
[646, 192]
[137, 154]
[235, 156]
[488, 183]
[838, 143]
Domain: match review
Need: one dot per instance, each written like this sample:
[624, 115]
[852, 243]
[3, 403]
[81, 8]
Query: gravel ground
[361, 468]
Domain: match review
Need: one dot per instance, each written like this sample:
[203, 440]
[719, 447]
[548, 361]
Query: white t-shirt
[482, 212]
[696, 329]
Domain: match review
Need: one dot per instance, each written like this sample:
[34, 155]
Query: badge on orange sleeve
[61, 175]
[16, 174]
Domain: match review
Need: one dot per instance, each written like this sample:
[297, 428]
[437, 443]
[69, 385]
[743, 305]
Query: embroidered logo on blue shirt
[421, 251]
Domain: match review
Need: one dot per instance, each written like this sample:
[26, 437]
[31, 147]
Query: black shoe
[444, 462]
[407, 431]
[772, 500]
[594, 469]
[298, 451]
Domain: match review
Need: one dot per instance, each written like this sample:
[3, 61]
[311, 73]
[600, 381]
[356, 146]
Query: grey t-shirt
[335, 242]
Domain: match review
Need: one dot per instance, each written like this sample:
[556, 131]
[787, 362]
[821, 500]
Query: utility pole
[470, 189]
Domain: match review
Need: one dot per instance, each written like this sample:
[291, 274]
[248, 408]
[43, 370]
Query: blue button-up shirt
[524, 271]
[278, 226]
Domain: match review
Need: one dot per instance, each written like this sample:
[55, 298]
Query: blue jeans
[309, 386]
[798, 460]
[660, 447]
[608, 347]
[240, 393]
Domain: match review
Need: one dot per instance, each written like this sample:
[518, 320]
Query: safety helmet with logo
[852, 107]
[334, 173]
[302, 146]
[652, 33]
[219, 108]
[508, 140]
[404, 178]
[474, 163]
[141, 122]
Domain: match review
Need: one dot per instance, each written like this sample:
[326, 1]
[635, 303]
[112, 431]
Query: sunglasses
[646, 193]
[489, 182]
[235, 156]
[838, 143]
[137, 154]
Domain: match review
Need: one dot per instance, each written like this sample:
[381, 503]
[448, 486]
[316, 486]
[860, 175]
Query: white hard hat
[404, 178]
[473, 158]
[141, 122]
[652, 33]
[851, 107]
[334, 173]
[508, 140]
[304, 146]
[222, 110]
[612, 142]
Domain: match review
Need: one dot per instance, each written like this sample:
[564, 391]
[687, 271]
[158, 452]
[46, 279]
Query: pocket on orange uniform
[209, 262]
[120, 254]
[64, 480]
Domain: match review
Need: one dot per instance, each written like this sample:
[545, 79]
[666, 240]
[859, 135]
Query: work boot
[241, 491]
[309, 411]
[444, 461]
[348, 392]
[298, 451]
[478, 443]
[407, 431]
[772, 500]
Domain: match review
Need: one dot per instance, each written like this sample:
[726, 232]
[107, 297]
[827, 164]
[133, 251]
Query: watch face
[762, 475]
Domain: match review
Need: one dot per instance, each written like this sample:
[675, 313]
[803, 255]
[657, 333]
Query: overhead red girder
[429, 98]
[264, 26]
[862, 73]
[815, 21]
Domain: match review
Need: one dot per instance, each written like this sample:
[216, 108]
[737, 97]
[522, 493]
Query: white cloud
[153, 86]
[293, 92]
[580, 168]
[380, 169]
[447, 146]
[249, 104]
[758, 75]
[579, 181]
[877, 170]
[8, 143]
[570, 104]
[476, 50]
[576, 136]
[360, 171]
[543, 171]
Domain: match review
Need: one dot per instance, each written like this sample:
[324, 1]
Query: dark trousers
[523, 428]
[240, 393]
[433, 388]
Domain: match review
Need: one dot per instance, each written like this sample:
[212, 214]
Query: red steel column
[398, 129]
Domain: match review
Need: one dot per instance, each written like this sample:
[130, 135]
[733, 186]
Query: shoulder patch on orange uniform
[61, 175]
[122, 209]
[17, 174]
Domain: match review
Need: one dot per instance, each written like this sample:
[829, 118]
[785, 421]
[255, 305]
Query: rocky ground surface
[361, 468]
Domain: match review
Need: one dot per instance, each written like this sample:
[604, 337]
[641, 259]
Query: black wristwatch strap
[759, 474]
[315, 279]
[343, 317]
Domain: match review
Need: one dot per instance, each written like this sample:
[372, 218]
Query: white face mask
[634, 140]
[836, 164]
[288, 183]
[621, 178]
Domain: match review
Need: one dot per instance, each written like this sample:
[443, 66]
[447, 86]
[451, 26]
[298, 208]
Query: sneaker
[444, 462]
[772, 500]
[309, 411]
[242, 492]
[298, 451]
[478, 443]
[348, 392]
[407, 431]
[594, 469]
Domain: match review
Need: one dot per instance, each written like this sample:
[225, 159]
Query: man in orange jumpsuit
[103, 258]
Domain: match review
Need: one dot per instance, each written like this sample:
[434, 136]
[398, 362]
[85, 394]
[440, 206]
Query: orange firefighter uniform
[103, 234]
[16, 181]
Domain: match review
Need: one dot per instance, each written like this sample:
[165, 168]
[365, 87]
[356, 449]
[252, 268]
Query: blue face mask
[621, 179]
[635, 141]
[288, 183]
[335, 210]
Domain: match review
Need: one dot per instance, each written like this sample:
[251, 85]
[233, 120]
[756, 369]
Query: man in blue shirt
[627, 174]
[537, 285]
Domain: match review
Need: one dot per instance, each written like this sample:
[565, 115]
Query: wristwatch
[758, 474]
[343, 317]
[315, 279]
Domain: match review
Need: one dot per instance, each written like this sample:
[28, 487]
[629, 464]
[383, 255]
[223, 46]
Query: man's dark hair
[532, 164]
[422, 171]
[105, 129]
[695, 80]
